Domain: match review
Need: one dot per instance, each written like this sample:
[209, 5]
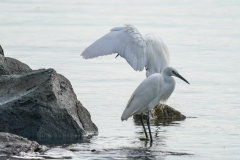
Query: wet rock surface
[162, 111]
[12, 66]
[14, 145]
[1, 51]
[42, 104]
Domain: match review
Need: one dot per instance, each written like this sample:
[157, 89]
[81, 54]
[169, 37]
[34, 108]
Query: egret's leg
[148, 123]
[141, 118]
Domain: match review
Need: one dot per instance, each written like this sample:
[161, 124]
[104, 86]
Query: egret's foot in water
[144, 139]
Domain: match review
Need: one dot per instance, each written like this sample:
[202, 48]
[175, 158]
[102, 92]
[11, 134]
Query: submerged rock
[14, 145]
[58, 153]
[12, 66]
[42, 104]
[162, 111]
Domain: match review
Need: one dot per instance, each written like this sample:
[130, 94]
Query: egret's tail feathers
[124, 116]
[124, 119]
[127, 113]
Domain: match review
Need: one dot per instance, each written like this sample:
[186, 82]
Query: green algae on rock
[163, 111]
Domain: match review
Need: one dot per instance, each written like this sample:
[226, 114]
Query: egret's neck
[168, 79]
[166, 72]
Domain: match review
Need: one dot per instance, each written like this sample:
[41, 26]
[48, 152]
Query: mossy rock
[163, 111]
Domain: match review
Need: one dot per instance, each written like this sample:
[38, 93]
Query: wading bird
[154, 89]
[139, 51]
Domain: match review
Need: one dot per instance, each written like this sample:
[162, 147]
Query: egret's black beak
[117, 55]
[179, 76]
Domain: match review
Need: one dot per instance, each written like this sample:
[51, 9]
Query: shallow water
[203, 38]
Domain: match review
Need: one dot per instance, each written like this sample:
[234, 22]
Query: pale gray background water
[203, 38]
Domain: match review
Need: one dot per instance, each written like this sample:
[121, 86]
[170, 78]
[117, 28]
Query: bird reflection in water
[159, 124]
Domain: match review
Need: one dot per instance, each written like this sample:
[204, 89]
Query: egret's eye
[173, 72]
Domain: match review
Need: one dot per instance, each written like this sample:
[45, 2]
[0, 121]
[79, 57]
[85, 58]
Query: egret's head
[170, 71]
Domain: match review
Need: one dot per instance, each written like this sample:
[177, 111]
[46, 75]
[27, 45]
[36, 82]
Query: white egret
[147, 51]
[154, 89]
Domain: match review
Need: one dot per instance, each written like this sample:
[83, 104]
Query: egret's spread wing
[157, 54]
[145, 93]
[126, 41]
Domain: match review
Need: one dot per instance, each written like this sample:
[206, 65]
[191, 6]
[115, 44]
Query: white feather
[145, 93]
[139, 51]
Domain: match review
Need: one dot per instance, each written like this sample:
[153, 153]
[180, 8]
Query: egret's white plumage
[154, 89]
[148, 51]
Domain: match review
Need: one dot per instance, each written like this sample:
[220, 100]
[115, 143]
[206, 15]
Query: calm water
[203, 38]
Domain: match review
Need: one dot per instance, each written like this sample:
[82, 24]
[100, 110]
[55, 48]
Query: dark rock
[12, 66]
[1, 51]
[13, 144]
[42, 104]
[162, 111]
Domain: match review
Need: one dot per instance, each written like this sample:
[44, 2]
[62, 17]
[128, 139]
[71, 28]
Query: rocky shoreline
[37, 104]
[14, 145]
